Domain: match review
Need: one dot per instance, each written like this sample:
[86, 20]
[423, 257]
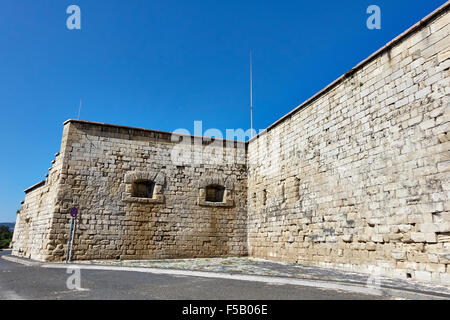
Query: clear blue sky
[164, 64]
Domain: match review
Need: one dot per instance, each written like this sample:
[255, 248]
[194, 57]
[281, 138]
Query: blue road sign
[74, 212]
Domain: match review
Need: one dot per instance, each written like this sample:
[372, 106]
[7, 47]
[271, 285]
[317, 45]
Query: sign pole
[69, 242]
[73, 213]
[72, 237]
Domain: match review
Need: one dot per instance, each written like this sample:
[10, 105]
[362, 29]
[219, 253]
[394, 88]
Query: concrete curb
[409, 295]
[326, 285]
[26, 262]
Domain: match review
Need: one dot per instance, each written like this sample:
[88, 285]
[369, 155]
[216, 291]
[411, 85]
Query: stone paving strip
[260, 267]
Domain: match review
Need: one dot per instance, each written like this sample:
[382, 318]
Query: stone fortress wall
[31, 232]
[100, 164]
[357, 177]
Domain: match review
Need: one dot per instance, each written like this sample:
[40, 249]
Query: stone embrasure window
[144, 187]
[213, 192]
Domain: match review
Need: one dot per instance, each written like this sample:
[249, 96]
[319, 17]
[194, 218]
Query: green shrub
[5, 237]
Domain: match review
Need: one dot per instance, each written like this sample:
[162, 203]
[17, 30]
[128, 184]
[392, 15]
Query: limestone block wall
[32, 223]
[358, 177]
[99, 167]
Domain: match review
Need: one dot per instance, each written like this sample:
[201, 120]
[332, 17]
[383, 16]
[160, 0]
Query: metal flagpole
[79, 109]
[251, 96]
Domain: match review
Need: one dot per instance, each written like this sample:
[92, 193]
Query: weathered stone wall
[358, 177]
[32, 224]
[99, 167]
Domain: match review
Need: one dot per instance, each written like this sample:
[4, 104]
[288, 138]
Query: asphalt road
[18, 281]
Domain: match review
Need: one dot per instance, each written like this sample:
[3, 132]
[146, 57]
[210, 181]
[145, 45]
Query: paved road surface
[31, 282]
